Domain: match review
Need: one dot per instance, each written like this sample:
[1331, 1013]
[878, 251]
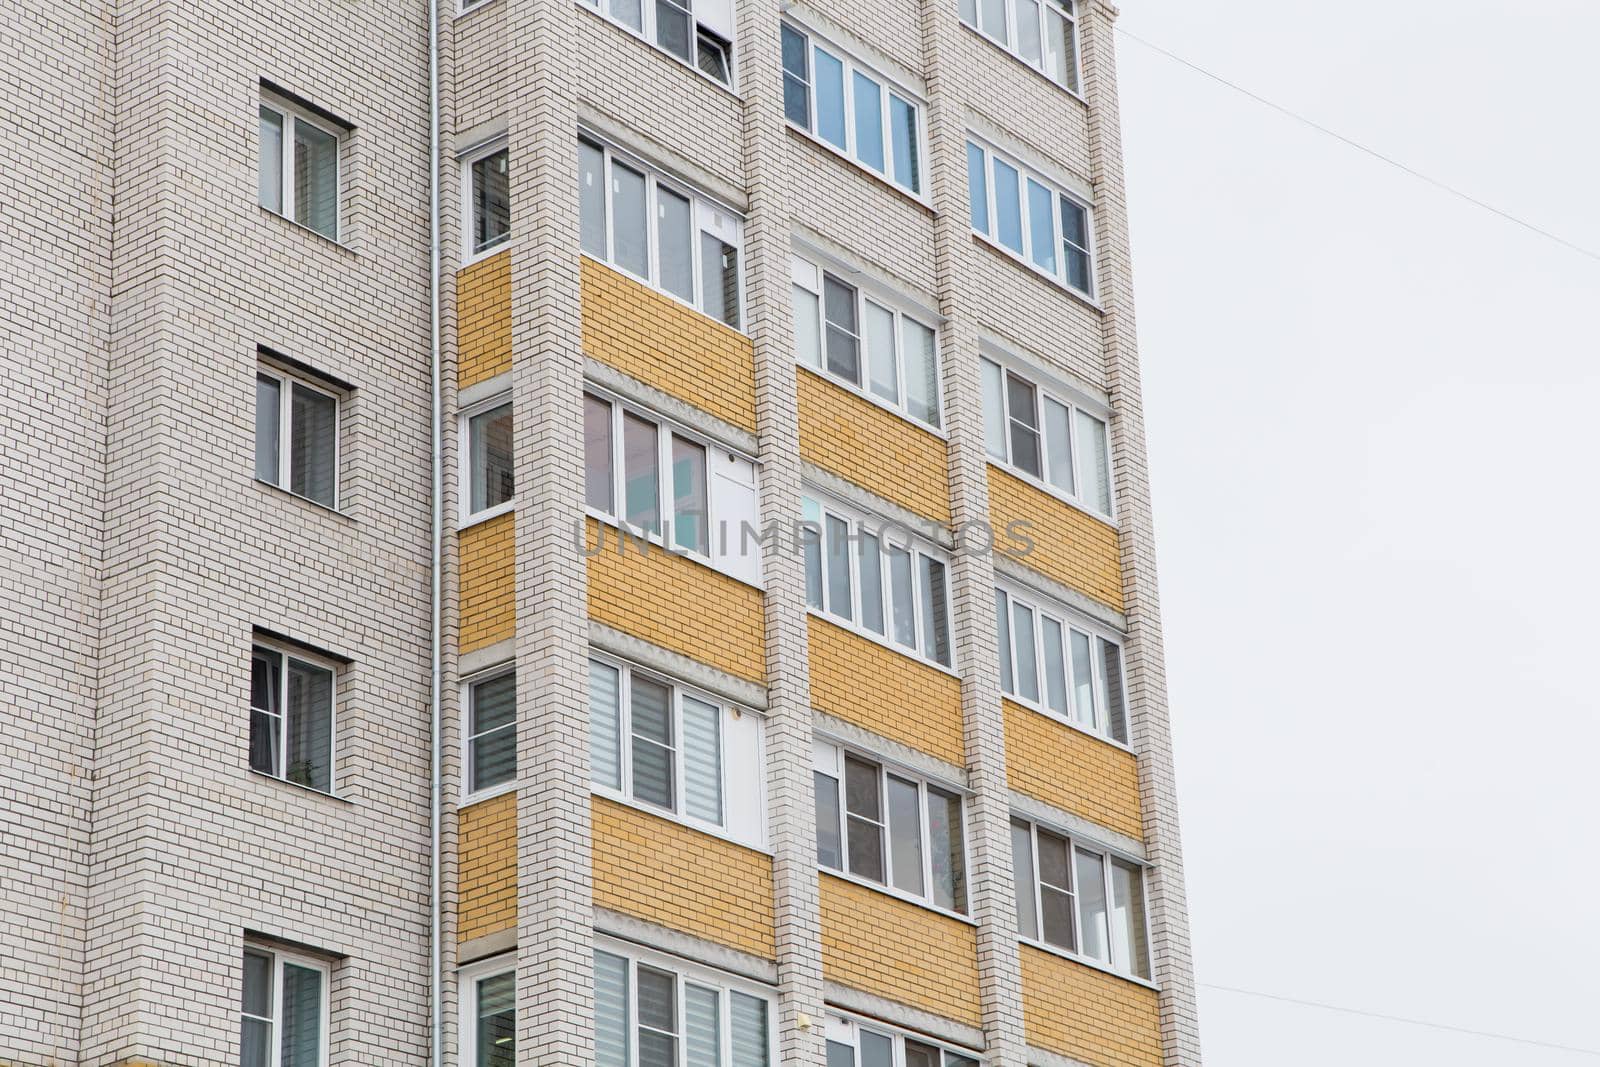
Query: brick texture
[483, 302]
[881, 690]
[488, 582]
[1076, 550]
[1073, 771]
[1084, 1013]
[487, 882]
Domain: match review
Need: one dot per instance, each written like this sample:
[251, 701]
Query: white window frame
[1122, 968]
[889, 534]
[842, 1028]
[626, 671]
[286, 386]
[718, 527]
[469, 226]
[470, 795]
[279, 958]
[810, 273]
[647, 34]
[285, 653]
[683, 971]
[890, 87]
[1042, 390]
[290, 113]
[1067, 9]
[464, 461]
[829, 758]
[707, 217]
[1058, 193]
[467, 979]
[1069, 621]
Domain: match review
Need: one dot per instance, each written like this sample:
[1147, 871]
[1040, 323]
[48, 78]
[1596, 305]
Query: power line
[1364, 149]
[1402, 1019]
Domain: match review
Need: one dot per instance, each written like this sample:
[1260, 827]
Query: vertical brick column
[1173, 967]
[555, 985]
[769, 318]
[990, 885]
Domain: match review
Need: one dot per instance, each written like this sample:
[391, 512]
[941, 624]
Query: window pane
[841, 1055]
[1127, 927]
[302, 1017]
[830, 98]
[702, 1026]
[310, 726]
[1007, 206]
[719, 274]
[712, 57]
[489, 439]
[631, 241]
[977, 188]
[947, 850]
[1055, 665]
[1075, 239]
[796, 79]
[1027, 658]
[610, 1010]
[1092, 904]
[255, 1043]
[903, 131]
[268, 415]
[1082, 679]
[691, 520]
[1053, 868]
[628, 12]
[1116, 715]
[921, 361]
[869, 120]
[747, 1017]
[883, 377]
[1002, 615]
[869, 561]
[673, 239]
[1025, 451]
[658, 1000]
[1022, 878]
[266, 711]
[702, 760]
[877, 1050]
[651, 708]
[270, 183]
[1028, 30]
[861, 789]
[969, 12]
[900, 597]
[497, 1021]
[257, 984]
[866, 849]
[920, 1055]
[313, 428]
[994, 20]
[597, 475]
[838, 556]
[1066, 64]
[807, 335]
[592, 199]
[1056, 908]
[491, 200]
[605, 731]
[811, 544]
[641, 478]
[1042, 226]
[1058, 445]
[316, 181]
[905, 836]
[935, 612]
[829, 849]
[493, 732]
[994, 412]
[672, 29]
[839, 303]
[1094, 462]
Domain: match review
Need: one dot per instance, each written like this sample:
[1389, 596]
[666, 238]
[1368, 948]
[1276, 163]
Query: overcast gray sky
[1372, 424]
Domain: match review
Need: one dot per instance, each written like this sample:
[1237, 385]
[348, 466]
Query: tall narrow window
[490, 181]
[492, 732]
[299, 157]
[291, 718]
[796, 78]
[490, 463]
[283, 1017]
[598, 474]
[495, 1021]
[654, 744]
[297, 436]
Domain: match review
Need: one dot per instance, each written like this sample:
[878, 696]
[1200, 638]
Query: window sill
[1040, 709]
[710, 830]
[919, 199]
[648, 43]
[486, 253]
[298, 227]
[877, 639]
[469, 799]
[315, 505]
[630, 535]
[990, 243]
[1034, 482]
[875, 401]
[1066, 91]
[1087, 962]
[897, 894]
[336, 798]
[478, 518]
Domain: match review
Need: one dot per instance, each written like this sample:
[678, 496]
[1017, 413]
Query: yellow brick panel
[1068, 545]
[881, 690]
[883, 453]
[1070, 769]
[488, 859]
[672, 601]
[483, 319]
[488, 582]
[669, 345]
[1087, 1014]
[877, 944]
[666, 873]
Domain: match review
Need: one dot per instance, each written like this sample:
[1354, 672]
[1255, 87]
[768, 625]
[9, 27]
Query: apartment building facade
[680, 589]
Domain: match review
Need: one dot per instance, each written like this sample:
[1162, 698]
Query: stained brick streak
[483, 301]
[488, 880]
[668, 345]
[488, 582]
[878, 944]
[1088, 1014]
[1072, 770]
[677, 603]
[681, 878]
[1069, 546]
[862, 443]
[885, 692]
